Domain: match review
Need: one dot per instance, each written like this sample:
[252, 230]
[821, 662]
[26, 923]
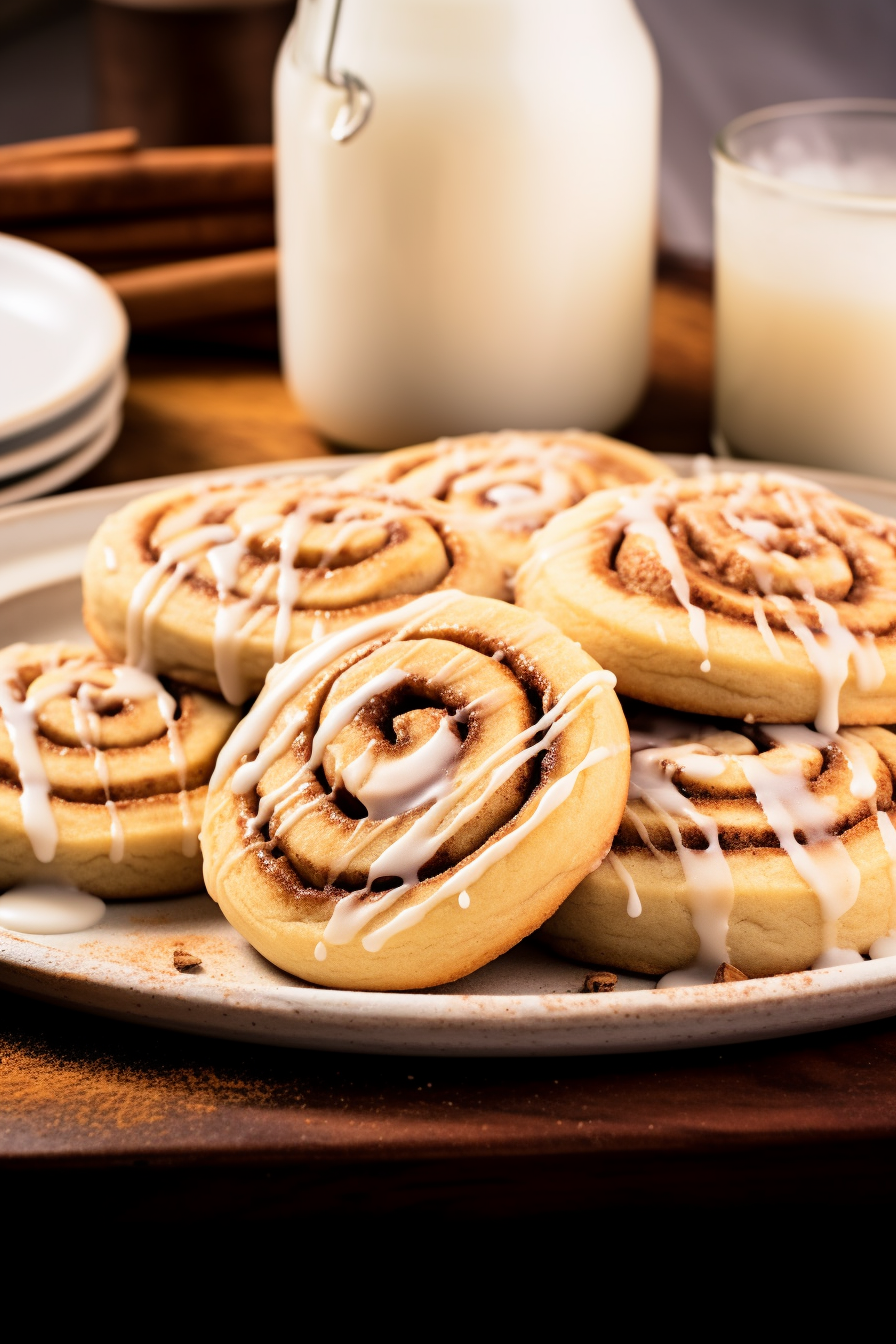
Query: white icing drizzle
[888, 835]
[766, 631]
[408, 854]
[517, 505]
[823, 861]
[707, 875]
[181, 555]
[859, 754]
[633, 908]
[837, 956]
[285, 680]
[288, 578]
[388, 788]
[463, 900]
[20, 717]
[476, 868]
[39, 908]
[224, 548]
[87, 726]
[345, 711]
[789, 806]
[110, 559]
[886, 946]
[116, 833]
[638, 514]
[831, 660]
[883, 947]
[510, 492]
[73, 680]
[282, 802]
[638, 517]
[428, 771]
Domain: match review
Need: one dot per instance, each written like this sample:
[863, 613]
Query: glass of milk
[466, 214]
[805, 210]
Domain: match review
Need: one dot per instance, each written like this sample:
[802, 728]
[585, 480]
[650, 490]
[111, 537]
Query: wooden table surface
[157, 1126]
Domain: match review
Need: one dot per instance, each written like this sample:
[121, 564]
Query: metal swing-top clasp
[355, 111]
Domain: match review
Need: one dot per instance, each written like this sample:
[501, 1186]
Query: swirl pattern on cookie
[404, 801]
[216, 585]
[737, 594]
[511, 483]
[771, 848]
[103, 772]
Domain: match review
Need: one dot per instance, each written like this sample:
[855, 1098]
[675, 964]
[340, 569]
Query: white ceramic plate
[525, 1003]
[62, 335]
[70, 468]
[29, 452]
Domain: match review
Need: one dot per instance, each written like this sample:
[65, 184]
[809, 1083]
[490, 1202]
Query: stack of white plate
[63, 335]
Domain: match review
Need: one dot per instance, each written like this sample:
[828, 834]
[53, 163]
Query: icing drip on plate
[39, 908]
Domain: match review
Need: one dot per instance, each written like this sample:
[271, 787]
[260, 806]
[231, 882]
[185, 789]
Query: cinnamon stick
[147, 179]
[201, 232]
[59, 146]
[185, 291]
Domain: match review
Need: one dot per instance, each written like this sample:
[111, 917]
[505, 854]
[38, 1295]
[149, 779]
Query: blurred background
[199, 73]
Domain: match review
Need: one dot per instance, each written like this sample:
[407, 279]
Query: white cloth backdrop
[720, 58]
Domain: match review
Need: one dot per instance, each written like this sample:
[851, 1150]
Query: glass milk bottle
[466, 194]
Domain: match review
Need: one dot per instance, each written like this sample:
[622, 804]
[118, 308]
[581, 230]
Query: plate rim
[71, 466]
[44, 451]
[359, 1021]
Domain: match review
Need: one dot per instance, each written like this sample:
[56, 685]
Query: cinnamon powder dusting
[80, 1084]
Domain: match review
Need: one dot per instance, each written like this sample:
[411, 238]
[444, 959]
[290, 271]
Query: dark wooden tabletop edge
[469, 1186]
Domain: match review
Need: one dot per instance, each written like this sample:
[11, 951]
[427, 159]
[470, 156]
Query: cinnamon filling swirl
[769, 595]
[219, 585]
[510, 484]
[103, 771]
[401, 771]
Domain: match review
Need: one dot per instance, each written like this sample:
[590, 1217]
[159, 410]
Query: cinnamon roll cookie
[103, 773]
[771, 848]
[214, 585]
[737, 594]
[511, 483]
[405, 800]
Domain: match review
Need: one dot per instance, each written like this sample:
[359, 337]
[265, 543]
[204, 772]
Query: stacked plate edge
[63, 337]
